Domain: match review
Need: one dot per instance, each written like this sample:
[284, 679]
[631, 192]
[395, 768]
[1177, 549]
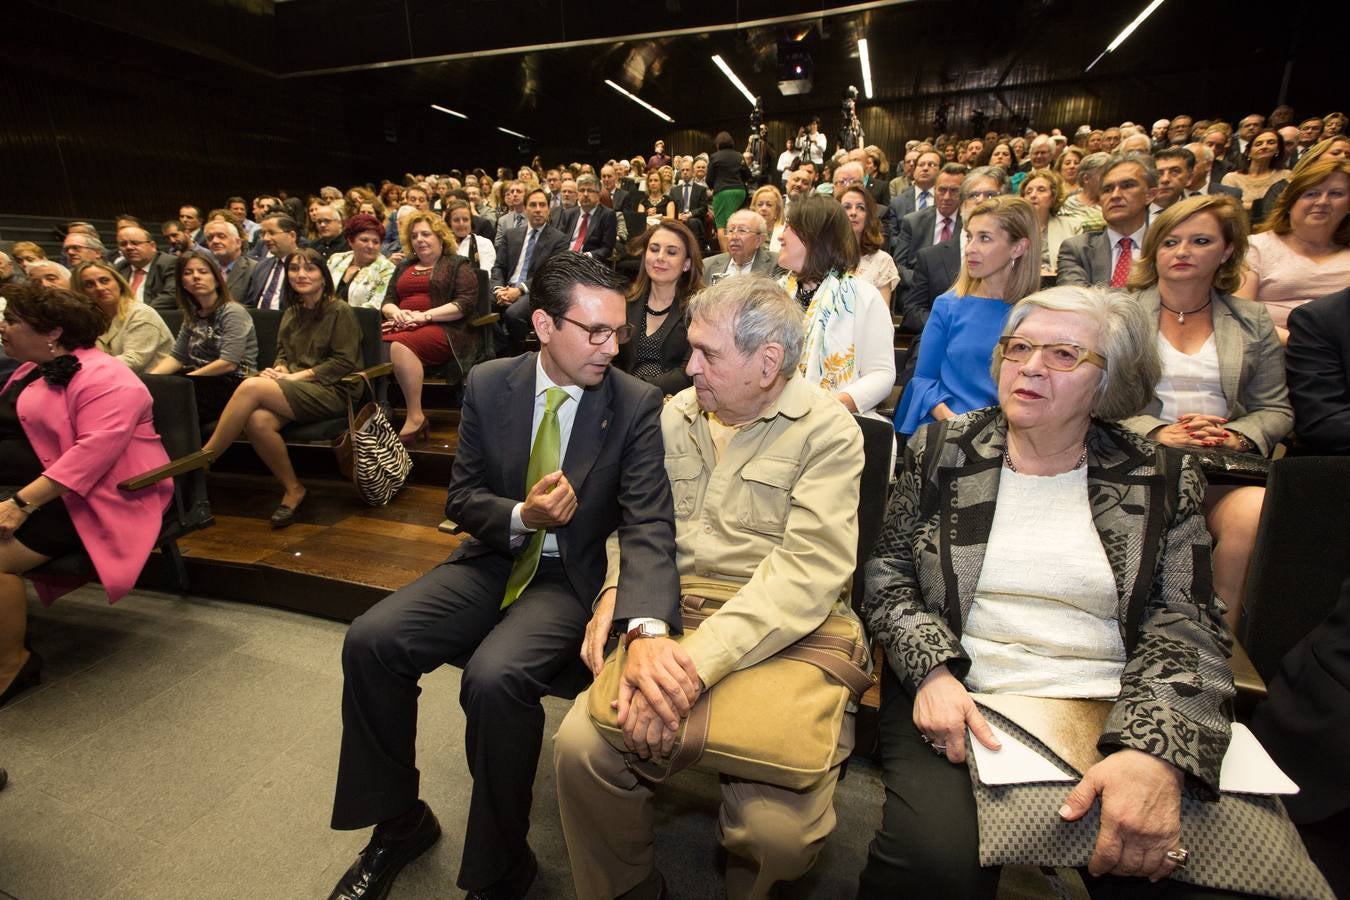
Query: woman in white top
[460, 217]
[850, 341]
[875, 265]
[769, 204]
[1302, 250]
[1222, 384]
[361, 274]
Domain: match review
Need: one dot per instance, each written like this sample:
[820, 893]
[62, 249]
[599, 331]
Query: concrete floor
[186, 747]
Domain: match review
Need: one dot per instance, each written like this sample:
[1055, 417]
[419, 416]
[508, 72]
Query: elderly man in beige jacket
[764, 469]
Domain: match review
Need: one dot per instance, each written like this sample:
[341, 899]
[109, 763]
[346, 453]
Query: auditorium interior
[184, 741]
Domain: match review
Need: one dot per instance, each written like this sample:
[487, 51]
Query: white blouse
[1190, 383]
[487, 254]
[1044, 617]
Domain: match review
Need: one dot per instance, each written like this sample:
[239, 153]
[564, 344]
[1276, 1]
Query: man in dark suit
[281, 236]
[222, 239]
[1317, 363]
[691, 205]
[919, 195]
[746, 233]
[150, 273]
[1202, 182]
[928, 226]
[520, 251]
[1128, 186]
[540, 437]
[614, 196]
[589, 227]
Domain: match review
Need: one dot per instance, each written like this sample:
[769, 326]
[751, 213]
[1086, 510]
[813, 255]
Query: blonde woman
[136, 334]
[768, 202]
[1001, 266]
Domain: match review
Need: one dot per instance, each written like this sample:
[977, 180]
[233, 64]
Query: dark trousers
[516, 317]
[929, 841]
[451, 615]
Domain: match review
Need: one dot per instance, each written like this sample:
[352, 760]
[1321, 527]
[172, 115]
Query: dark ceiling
[538, 66]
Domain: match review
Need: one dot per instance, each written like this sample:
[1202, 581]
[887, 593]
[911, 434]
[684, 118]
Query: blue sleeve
[925, 390]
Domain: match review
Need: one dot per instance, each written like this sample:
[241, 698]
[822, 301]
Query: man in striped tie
[540, 436]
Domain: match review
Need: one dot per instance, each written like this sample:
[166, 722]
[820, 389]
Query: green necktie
[544, 458]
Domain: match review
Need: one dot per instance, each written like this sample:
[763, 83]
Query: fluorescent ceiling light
[1129, 29]
[639, 101]
[450, 111]
[523, 137]
[731, 76]
[866, 60]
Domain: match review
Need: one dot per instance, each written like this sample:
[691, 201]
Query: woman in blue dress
[1000, 265]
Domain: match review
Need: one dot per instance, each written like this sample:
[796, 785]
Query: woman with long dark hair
[671, 272]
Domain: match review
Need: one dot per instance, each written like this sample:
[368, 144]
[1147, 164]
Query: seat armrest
[379, 370]
[180, 466]
[488, 319]
[1245, 677]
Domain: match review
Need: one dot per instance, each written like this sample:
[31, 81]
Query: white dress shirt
[920, 201]
[518, 276]
[567, 414]
[487, 254]
[937, 226]
[140, 288]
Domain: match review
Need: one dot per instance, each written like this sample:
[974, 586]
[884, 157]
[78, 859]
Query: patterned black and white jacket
[1147, 505]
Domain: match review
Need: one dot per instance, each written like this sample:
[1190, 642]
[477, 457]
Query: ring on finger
[1180, 856]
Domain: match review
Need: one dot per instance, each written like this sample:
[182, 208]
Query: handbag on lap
[1240, 842]
[776, 722]
[370, 453]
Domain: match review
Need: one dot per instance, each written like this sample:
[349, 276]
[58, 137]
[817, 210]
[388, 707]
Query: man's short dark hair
[195, 209]
[1187, 157]
[283, 221]
[552, 288]
[954, 168]
[536, 191]
[457, 194]
[229, 200]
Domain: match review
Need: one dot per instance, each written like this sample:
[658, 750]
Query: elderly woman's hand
[1141, 813]
[942, 711]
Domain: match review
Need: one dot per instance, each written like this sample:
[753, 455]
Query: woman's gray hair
[999, 176]
[1126, 338]
[758, 312]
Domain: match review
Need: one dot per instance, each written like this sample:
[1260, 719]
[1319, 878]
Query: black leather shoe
[284, 516]
[29, 675]
[374, 871]
[514, 886]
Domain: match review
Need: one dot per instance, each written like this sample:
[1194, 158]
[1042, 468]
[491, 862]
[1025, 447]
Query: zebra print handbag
[371, 453]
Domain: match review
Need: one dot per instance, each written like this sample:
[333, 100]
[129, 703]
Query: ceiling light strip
[437, 106]
[639, 101]
[731, 76]
[1129, 29]
[864, 57]
[523, 137]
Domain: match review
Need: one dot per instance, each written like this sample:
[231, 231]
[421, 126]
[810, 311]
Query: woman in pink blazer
[74, 423]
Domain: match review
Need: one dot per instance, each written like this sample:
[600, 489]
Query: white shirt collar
[1136, 239]
[542, 382]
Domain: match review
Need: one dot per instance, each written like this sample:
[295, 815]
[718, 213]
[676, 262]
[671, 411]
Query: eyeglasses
[600, 334]
[1060, 357]
[742, 229]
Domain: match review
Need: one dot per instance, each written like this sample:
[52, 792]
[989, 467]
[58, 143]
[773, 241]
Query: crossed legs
[259, 409]
[1232, 513]
[15, 559]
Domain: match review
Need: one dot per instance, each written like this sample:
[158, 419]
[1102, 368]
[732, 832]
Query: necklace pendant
[1181, 318]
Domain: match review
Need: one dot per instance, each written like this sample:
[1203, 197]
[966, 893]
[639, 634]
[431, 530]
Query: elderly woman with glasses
[1036, 548]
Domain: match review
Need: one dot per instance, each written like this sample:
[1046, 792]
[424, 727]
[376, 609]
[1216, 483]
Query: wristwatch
[648, 629]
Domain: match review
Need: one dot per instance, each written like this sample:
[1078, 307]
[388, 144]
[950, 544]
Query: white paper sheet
[1247, 768]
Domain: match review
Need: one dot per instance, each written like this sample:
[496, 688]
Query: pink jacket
[90, 435]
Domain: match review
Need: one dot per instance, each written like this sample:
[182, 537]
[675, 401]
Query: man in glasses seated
[540, 436]
[747, 254]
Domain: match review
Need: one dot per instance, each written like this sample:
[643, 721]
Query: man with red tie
[1128, 186]
[591, 228]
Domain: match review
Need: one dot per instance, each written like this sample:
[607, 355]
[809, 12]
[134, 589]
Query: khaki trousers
[771, 834]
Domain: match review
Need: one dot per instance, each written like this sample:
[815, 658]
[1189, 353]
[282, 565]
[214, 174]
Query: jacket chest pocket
[685, 483]
[766, 495]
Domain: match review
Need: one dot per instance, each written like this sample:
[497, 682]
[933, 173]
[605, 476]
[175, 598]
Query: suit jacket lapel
[1228, 339]
[516, 424]
[1101, 258]
[588, 433]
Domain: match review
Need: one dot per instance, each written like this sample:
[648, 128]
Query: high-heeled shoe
[30, 675]
[421, 434]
